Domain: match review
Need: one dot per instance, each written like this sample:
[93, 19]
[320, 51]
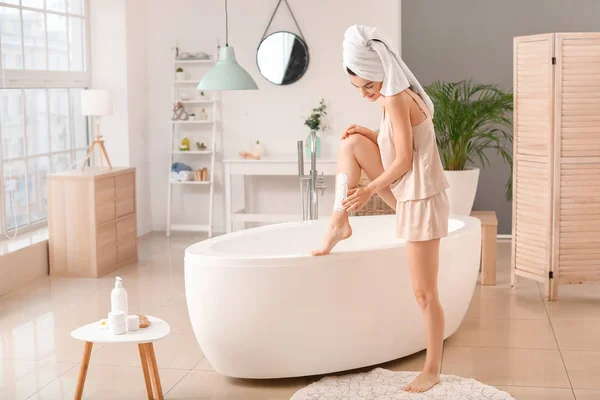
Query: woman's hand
[357, 129]
[357, 198]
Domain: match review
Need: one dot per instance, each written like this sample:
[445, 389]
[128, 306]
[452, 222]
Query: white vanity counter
[268, 166]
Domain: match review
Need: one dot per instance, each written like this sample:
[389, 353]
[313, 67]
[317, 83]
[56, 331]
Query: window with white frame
[44, 69]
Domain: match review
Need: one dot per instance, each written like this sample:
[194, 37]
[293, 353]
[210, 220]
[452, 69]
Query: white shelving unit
[192, 155]
[196, 102]
[191, 183]
[188, 62]
[187, 82]
[191, 122]
[192, 152]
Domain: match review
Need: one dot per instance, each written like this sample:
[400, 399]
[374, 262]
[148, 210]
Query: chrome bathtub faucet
[310, 184]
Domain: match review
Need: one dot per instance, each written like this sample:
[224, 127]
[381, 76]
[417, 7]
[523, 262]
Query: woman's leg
[423, 261]
[355, 153]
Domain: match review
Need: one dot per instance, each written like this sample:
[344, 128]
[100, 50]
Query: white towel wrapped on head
[372, 56]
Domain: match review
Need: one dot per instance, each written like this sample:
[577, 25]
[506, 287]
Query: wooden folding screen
[556, 201]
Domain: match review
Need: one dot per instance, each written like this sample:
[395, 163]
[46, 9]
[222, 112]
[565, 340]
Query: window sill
[23, 259]
[23, 240]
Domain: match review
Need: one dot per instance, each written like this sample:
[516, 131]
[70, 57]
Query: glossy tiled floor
[510, 338]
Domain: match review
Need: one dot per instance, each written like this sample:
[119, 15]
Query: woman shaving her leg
[411, 170]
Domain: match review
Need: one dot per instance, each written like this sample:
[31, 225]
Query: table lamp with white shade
[96, 103]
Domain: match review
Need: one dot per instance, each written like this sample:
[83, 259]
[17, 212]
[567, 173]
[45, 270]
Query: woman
[404, 167]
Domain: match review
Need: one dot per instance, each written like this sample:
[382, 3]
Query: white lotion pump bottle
[118, 297]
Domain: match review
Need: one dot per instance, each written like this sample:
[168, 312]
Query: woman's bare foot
[338, 230]
[423, 382]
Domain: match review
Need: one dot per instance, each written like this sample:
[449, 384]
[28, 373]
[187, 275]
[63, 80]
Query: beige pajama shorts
[425, 219]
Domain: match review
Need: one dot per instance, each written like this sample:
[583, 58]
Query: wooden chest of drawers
[91, 221]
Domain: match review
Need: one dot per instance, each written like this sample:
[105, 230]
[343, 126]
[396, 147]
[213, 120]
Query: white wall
[274, 115]
[109, 72]
[118, 64]
[137, 105]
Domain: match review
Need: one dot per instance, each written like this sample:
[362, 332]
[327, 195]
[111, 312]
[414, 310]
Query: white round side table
[144, 338]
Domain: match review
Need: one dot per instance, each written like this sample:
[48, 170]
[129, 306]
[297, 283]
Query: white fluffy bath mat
[382, 384]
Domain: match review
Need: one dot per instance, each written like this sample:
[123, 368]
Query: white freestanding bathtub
[262, 307]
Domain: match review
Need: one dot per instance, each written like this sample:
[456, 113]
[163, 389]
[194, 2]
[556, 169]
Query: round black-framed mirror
[282, 58]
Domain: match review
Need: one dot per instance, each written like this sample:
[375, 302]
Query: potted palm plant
[470, 119]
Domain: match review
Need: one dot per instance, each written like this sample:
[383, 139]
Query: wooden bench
[489, 233]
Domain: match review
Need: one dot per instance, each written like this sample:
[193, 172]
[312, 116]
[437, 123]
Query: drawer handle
[116, 242]
[116, 198]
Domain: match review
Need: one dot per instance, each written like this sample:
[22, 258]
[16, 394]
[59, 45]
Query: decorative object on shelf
[258, 150]
[202, 94]
[178, 167]
[315, 123]
[201, 146]
[201, 175]
[309, 144]
[181, 172]
[282, 57]
[186, 56]
[470, 119]
[179, 74]
[96, 103]
[184, 95]
[248, 155]
[192, 117]
[182, 176]
[227, 74]
[185, 144]
[255, 154]
[179, 112]
[203, 116]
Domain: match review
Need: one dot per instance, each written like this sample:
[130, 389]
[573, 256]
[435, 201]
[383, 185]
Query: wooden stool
[144, 338]
[489, 234]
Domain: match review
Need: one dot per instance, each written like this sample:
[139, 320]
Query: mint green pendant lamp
[227, 74]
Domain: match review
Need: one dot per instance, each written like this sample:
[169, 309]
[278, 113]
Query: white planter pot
[180, 76]
[462, 190]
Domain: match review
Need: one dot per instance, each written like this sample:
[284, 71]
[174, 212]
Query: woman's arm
[398, 109]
